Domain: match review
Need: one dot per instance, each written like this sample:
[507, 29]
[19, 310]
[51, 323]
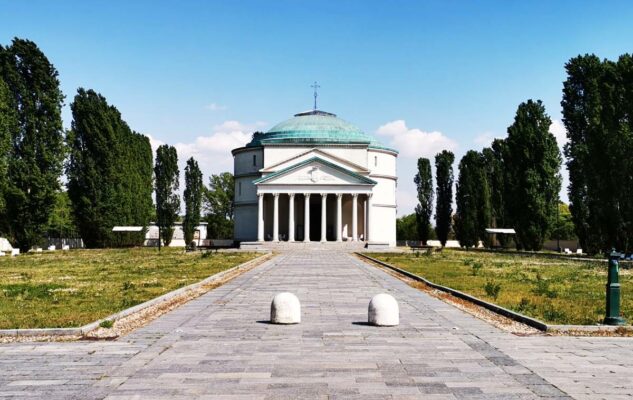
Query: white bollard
[383, 310]
[15, 252]
[65, 247]
[285, 309]
[51, 248]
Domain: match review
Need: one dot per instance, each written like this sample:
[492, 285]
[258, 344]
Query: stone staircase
[302, 246]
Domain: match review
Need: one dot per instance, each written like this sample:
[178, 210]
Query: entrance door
[315, 218]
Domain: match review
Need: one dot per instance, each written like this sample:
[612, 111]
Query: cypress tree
[444, 205]
[37, 142]
[424, 183]
[193, 199]
[472, 200]
[167, 198]
[532, 163]
[109, 173]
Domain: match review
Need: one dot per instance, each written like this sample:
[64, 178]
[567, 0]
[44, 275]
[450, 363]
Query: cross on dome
[316, 86]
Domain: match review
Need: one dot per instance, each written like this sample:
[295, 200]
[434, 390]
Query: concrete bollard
[383, 310]
[285, 309]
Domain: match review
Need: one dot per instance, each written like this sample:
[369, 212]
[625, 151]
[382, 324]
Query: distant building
[178, 240]
[315, 178]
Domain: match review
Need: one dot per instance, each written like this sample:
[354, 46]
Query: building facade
[315, 177]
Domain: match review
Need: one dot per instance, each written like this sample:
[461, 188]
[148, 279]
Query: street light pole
[613, 291]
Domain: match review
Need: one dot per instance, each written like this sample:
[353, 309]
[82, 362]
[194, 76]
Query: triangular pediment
[324, 155]
[315, 171]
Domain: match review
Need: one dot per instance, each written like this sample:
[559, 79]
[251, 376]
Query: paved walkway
[219, 346]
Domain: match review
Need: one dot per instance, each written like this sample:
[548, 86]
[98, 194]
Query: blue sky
[420, 75]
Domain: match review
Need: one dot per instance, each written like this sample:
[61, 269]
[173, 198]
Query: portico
[315, 215]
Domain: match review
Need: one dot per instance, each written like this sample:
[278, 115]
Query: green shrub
[106, 323]
[476, 267]
[525, 306]
[542, 287]
[492, 289]
[127, 285]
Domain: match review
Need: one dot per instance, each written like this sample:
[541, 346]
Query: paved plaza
[220, 346]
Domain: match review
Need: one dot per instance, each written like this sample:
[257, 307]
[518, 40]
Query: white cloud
[213, 152]
[154, 143]
[215, 107]
[557, 128]
[415, 142]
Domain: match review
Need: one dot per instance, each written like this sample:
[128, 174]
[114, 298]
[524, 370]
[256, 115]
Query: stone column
[276, 218]
[339, 216]
[291, 218]
[355, 217]
[369, 219]
[260, 217]
[306, 219]
[323, 217]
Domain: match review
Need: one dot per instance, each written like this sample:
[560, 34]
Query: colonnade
[306, 226]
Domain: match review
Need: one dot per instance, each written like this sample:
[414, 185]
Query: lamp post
[558, 226]
[613, 291]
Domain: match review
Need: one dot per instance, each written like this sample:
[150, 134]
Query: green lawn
[553, 290]
[70, 289]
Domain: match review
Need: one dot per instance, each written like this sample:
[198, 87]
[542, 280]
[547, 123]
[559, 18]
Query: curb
[85, 329]
[534, 323]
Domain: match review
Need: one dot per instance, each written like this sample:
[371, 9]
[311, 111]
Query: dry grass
[553, 290]
[69, 289]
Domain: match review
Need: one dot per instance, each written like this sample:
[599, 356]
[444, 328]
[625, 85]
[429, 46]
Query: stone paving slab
[220, 346]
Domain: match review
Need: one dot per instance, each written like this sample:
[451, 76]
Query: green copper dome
[314, 127]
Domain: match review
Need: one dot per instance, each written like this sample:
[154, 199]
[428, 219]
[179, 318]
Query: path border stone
[82, 331]
[572, 330]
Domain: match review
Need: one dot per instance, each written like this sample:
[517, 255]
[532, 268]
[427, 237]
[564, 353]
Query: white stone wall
[178, 240]
[382, 167]
[276, 154]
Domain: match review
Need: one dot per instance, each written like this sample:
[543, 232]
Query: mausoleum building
[318, 178]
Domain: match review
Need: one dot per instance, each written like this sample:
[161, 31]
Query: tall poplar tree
[7, 125]
[193, 199]
[37, 142]
[597, 112]
[167, 199]
[444, 205]
[532, 162]
[424, 183]
[472, 200]
[109, 173]
[495, 175]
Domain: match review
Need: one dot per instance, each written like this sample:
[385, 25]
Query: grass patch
[73, 288]
[553, 290]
